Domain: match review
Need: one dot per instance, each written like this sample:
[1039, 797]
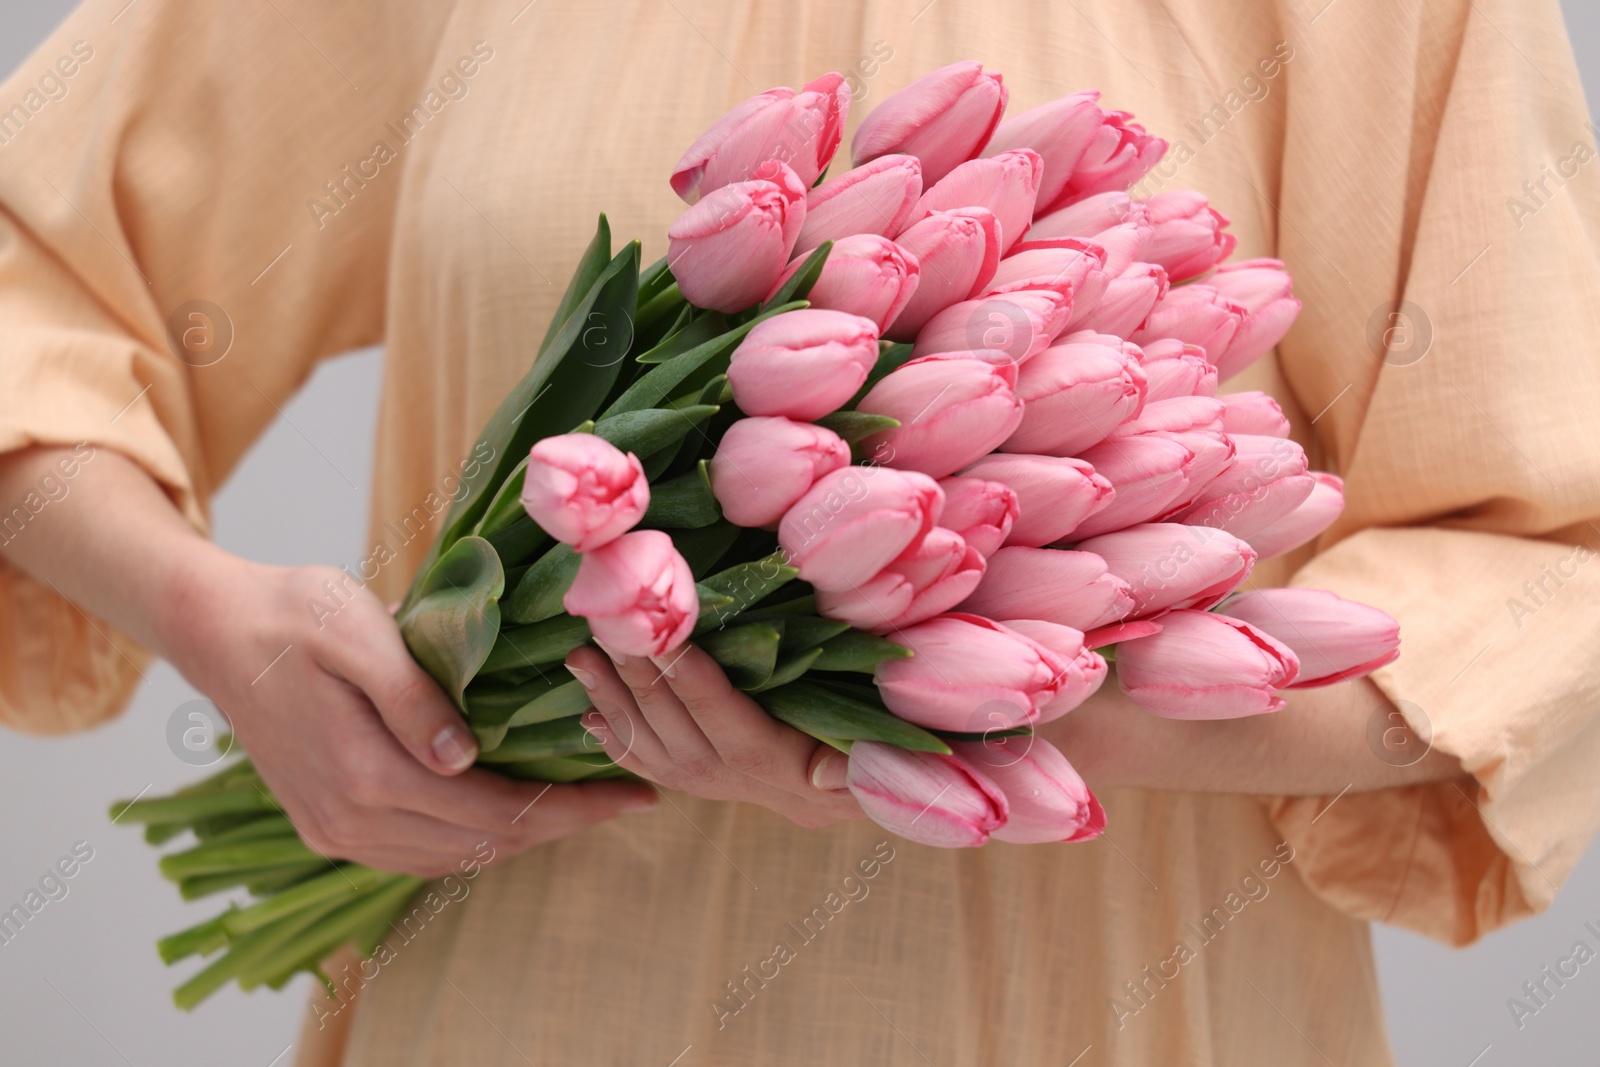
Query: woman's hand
[678, 722]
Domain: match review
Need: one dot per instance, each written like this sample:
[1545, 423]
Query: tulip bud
[763, 465]
[982, 512]
[1119, 154]
[958, 252]
[1194, 422]
[1075, 394]
[1170, 565]
[1087, 217]
[944, 118]
[636, 593]
[1195, 314]
[874, 198]
[1188, 236]
[1055, 494]
[854, 521]
[864, 275]
[727, 250]
[1205, 666]
[928, 579]
[1073, 268]
[1067, 588]
[1265, 481]
[1005, 185]
[1046, 799]
[1150, 473]
[1060, 131]
[1315, 514]
[951, 411]
[970, 674]
[1264, 289]
[800, 129]
[926, 797]
[1253, 413]
[802, 364]
[1176, 369]
[1002, 329]
[1129, 298]
[1086, 669]
[1333, 638]
[583, 490]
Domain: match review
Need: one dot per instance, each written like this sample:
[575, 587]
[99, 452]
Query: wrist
[195, 589]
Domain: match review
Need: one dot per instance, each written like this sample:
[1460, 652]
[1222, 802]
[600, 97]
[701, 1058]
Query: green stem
[189, 807]
[350, 878]
[231, 856]
[246, 951]
[283, 874]
[311, 945]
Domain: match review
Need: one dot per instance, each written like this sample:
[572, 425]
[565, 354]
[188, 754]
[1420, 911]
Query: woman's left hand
[677, 721]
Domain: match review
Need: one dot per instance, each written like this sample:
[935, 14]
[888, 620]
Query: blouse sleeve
[193, 211]
[1447, 229]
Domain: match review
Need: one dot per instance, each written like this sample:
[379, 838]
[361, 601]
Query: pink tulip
[800, 129]
[864, 275]
[1194, 422]
[1174, 368]
[854, 521]
[1315, 514]
[1086, 669]
[951, 411]
[727, 250]
[1073, 268]
[1265, 290]
[944, 118]
[583, 490]
[1265, 481]
[1169, 565]
[1002, 329]
[1120, 153]
[1333, 638]
[1128, 300]
[636, 593]
[874, 198]
[970, 674]
[1188, 237]
[1196, 314]
[1253, 413]
[1075, 394]
[928, 579]
[925, 797]
[1067, 588]
[1005, 185]
[803, 364]
[958, 251]
[982, 512]
[1047, 800]
[1149, 472]
[763, 465]
[1206, 666]
[1087, 217]
[1060, 131]
[1181, 414]
[1055, 494]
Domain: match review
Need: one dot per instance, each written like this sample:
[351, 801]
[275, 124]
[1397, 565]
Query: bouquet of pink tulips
[912, 452]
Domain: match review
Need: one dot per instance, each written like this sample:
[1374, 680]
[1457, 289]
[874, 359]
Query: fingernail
[640, 804]
[455, 747]
[594, 723]
[584, 678]
[829, 774]
[616, 657]
[667, 665]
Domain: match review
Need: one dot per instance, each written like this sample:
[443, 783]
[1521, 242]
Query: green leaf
[537, 644]
[538, 595]
[655, 279]
[655, 386]
[491, 711]
[516, 542]
[822, 713]
[890, 358]
[702, 548]
[506, 506]
[802, 632]
[690, 334]
[454, 620]
[563, 769]
[798, 287]
[542, 740]
[791, 669]
[857, 650]
[649, 430]
[684, 502]
[855, 425]
[746, 653]
[744, 585]
[590, 266]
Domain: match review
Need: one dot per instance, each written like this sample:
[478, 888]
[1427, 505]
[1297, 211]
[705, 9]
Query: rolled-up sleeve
[190, 217]
[1466, 184]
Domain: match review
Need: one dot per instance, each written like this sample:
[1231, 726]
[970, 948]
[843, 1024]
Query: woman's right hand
[367, 756]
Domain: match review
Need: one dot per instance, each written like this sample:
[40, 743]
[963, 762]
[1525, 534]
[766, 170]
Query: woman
[317, 178]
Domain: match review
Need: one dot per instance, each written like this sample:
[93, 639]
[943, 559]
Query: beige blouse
[314, 177]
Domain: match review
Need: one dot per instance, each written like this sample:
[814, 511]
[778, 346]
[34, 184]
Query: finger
[680, 735]
[630, 733]
[616, 747]
[827, 769]
[565, 809]
[744, 736]
[368, 653]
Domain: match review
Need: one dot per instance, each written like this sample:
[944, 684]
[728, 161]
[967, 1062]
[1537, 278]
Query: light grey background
[82, 984]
